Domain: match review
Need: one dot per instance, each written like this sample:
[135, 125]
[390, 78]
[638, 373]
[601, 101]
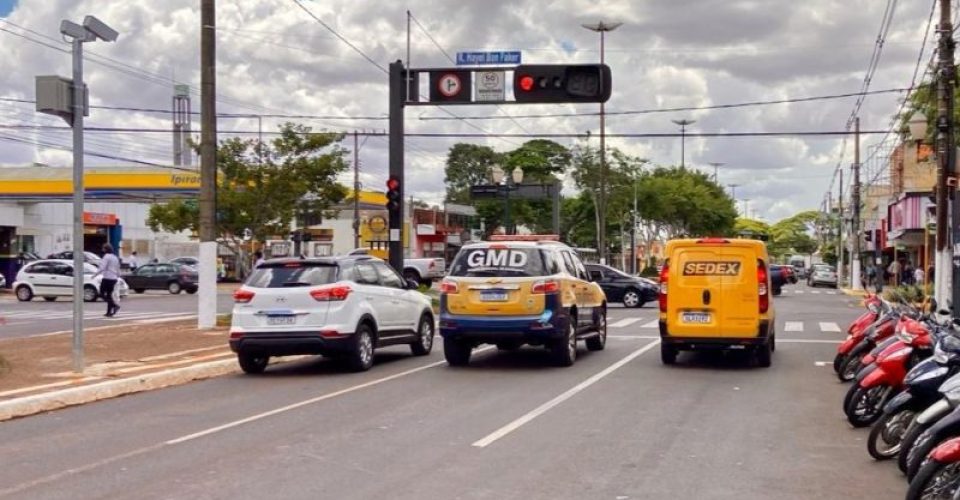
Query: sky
[274, 58]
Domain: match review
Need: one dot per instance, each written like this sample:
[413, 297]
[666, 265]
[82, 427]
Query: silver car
[823, 274]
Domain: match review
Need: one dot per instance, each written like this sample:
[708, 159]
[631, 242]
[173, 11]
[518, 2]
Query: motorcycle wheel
[866, 405]
[886, 436]
[838, 362]
[906, 444]
[922, 446]
[850, 367]
[935, 480]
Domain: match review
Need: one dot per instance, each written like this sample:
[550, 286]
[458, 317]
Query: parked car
[88, 257]
[633, 291]
[52, 278]
[777, 278]
[345, 307]
[822, 274]
[422, 271]
[174, 278]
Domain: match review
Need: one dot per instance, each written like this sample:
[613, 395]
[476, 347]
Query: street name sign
[497, 57]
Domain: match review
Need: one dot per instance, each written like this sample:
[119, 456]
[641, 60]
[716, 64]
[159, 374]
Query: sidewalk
[36, 372]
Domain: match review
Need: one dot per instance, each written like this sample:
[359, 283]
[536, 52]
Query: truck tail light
[762, 291]
[664, 275]
[447, 286]
[543, 287]
[243, 296]
[331, 294]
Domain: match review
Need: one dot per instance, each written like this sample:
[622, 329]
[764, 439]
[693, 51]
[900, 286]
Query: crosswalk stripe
[653, 324]
[829, 327]
[624, 322]
[793, 326]
[815, 292]
[798, 292]
[831, 293]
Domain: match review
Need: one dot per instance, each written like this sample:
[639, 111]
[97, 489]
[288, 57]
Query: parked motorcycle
[884, 378]
[939, 476]
[878, 331]
[921, 390]
[857, 330]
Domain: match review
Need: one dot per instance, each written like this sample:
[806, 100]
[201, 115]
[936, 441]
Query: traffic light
[533, 83]
[393, 194]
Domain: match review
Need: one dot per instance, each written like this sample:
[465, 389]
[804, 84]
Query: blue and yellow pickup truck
[516, 290]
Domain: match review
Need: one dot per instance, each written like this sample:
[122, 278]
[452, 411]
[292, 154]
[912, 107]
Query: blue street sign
[501, 57]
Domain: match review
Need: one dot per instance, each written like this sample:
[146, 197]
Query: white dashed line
[793, 326]
[829, 328]
[624, 322]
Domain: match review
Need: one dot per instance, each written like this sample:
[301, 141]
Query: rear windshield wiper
[297, 283]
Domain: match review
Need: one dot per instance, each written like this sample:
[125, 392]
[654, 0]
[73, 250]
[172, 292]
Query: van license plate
[699, 318]
[493, 296]
[281, 320]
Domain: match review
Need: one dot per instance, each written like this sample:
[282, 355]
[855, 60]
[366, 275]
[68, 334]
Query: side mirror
[412, 285]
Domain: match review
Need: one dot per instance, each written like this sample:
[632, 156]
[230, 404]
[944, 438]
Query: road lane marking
[624, 322]
[294, 406]
[793, 326]
[516, 424]
[779, 340]
[822, 363]
[798, 292]
[829, 327]
[815, 292]
[653, 324]
[831, 293]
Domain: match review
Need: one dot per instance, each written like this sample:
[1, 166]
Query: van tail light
[447, 286]
[762, 291]
[243, 296]
[664, 275]
[331, 294]
[543, 287]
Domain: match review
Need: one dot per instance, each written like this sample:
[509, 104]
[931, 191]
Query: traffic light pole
[395, 222]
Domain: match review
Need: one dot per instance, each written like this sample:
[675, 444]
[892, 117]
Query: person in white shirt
[918, 276]
[110, 270]
[133, 261]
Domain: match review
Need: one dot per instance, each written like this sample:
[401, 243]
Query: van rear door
[695, 290]
[739, 313]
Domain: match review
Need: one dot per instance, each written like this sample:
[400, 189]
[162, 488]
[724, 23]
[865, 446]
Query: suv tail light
[447, 286]
[243, 296]
[545, 286]
[762, 291]
[331, 294]
[664, 275]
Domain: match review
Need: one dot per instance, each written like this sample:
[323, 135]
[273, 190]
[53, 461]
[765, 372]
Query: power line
[87, 153]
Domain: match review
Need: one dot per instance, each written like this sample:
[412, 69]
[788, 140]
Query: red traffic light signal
[533, 83]
[394, 196]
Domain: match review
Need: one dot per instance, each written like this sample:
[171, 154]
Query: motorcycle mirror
[943, 312]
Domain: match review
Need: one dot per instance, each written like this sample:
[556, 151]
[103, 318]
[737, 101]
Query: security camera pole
[91, 30]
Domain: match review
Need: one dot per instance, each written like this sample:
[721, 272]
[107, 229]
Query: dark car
[174, 278]
[620, 287]
[778, 278]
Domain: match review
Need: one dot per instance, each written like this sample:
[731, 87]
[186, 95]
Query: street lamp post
[733, 190]
[716, 170]
[602, 28]
[499, 178]
[683, 137]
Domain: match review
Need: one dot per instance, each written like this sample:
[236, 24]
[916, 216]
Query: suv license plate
[281, 320]
[699, 318]
[496, 296]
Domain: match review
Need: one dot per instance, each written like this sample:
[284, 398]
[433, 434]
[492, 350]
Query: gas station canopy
[116, 184]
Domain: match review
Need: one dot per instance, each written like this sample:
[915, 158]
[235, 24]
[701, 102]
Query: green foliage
[906, 294]
[686, 202]
[751, 228]
[294, 173]
[650, 272]
[793, 235]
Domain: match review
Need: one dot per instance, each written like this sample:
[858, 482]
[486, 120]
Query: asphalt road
[616, 425]
[37, 317]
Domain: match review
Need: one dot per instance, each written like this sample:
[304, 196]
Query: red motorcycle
[863, 339]
[939, 476]
[883, 379]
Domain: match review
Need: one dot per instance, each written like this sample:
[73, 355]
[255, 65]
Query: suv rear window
[292, 274]
[499, 261]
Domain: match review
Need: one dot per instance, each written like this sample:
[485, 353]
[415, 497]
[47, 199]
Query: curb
[854, 293]
[55, 400]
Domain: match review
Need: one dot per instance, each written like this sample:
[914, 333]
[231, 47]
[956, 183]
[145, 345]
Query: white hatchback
[53, 278]
[343, 307]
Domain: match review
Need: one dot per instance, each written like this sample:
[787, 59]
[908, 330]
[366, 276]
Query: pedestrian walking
[906, 274]
[110, 272]
[894, 270]
[134, 263]
[918, 276]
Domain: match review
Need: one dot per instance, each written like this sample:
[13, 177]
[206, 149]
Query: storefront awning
[130, 184]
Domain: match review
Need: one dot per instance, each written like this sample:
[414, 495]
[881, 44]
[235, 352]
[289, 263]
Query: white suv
[336, 306]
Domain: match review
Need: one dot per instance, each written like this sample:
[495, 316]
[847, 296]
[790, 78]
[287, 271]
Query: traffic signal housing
[535, 83]
[393, 194]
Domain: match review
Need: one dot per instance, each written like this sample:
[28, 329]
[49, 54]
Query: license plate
[281, 320]
[695, 317]
[493, 296]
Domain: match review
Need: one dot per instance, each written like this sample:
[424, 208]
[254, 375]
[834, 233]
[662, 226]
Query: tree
[622, 172]
[794, 234]
[264, 186]
[684, 203]
[751, 228]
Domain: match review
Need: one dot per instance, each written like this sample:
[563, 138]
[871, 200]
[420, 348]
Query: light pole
[733, 190]
[683, 138]
[499, 178]
[602, 28]
[746, 208]
[716, 170]
[92, 30]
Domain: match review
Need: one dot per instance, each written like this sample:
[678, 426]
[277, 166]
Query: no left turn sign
[449, 85]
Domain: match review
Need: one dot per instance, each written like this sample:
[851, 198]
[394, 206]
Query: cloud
[273, 58]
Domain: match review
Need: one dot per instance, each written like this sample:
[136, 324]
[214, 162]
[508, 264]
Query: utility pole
[207, 310]
[947, 273]
[683, 139]
[840, 245]
[716, 170]
[855, 200]
[356, 190]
